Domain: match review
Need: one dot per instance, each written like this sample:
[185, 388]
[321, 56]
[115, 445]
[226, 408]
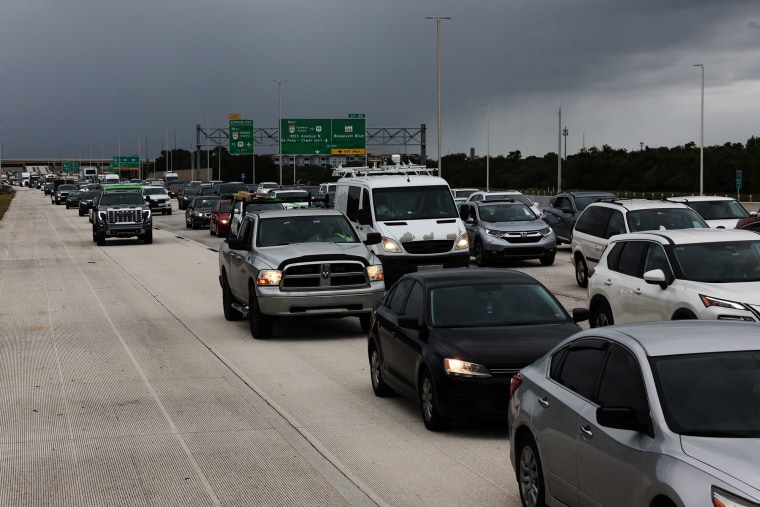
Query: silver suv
[601, 220]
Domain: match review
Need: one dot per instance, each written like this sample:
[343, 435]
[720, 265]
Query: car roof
[314, 212]
[448, 276]
[690, 236]
[700, 198]
[666, 338]
[395, 180]
[637, 204]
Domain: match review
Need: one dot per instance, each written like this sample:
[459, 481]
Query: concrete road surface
[122, 384]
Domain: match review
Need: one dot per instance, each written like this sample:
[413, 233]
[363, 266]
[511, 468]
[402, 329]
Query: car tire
[261, 325]
[548, 259]
[94, 235]
[229, 312]
[530, 477]
[432, 418]
[581, 271]
[81, 214]
[148, 237]
[601, 315]
[169, 212]
[67, 206]
[187, 224]
[379, 387]
[364, 322]
[193, 225]
[480, 255]
[100, 238]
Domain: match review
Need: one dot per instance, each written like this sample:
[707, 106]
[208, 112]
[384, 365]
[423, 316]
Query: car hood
[517, 226]
[741, 292]
[736, 457]
[274, 256]
[516, 346]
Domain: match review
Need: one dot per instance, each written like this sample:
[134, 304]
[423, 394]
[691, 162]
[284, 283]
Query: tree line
[668, 170]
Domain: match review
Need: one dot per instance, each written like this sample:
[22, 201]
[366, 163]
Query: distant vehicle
[291, 198]
[158, 199]
[88, 173]
[505, 194]
[722, 212]
[121, 212]
[198, 212]
[219, 221]
[459, 193]
[655, 414]
[170, 177]
[266, 186]
[564, 209]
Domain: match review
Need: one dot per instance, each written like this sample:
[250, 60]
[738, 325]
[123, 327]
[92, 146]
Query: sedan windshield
[724, 262]
[494, 304]
[713, 395]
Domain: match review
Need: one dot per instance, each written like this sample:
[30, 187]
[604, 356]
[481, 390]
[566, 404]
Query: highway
[123, 384]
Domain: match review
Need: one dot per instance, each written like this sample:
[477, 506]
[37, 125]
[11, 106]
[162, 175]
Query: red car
[220, 218]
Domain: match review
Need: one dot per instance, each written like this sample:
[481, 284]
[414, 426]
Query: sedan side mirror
[625, 418]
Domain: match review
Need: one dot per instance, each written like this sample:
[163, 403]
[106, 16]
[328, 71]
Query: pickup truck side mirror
[236, 243]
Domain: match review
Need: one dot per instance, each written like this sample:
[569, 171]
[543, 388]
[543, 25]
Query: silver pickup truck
[298, 263]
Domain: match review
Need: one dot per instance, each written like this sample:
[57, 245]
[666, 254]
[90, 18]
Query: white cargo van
[414, 213]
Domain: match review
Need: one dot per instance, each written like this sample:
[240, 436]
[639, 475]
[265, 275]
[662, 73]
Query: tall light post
[208, 163]
[166, 146]
[488, 148]
[559, 152]
[564, 134]
[438, 68]
[702, 133]
[279, 121]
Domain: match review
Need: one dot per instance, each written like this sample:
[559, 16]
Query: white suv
[723, 212]
[601, 220]
[669, 275]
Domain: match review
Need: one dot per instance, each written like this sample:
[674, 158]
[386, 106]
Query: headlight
[463, 242]
[375, 272]
[199, 214]
[269, 277]
[546, 232]
[720, 303]
[223, 221]
[390, 245]
[725, 499]
[460, 368]
[494, 233]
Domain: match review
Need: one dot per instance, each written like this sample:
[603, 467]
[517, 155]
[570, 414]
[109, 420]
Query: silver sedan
[661, 413]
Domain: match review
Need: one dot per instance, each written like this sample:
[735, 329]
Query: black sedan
[73, 198]
[198, 212]
[452, 339]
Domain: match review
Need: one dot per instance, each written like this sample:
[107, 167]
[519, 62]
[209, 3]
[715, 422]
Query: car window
[629, 262]
[621, 381]
[397, 296]
[580, 365]
[724, 262]
[594, 221]
[616, 225]
[717, 210]
[665, 218]
[656, 259]
[415, 301]
[352, 203]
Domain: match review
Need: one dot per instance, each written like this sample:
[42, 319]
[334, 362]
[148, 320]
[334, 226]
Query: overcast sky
[85, 76]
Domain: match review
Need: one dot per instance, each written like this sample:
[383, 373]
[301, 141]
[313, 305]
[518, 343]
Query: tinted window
[352, 203]
[594, 221]
[656, 259]
[621, 383]
[412, 203]
[397, 296]
[665, 218]
[616, 225]
[631, 257]
[580, 368]
[725, 262]
[415, 301]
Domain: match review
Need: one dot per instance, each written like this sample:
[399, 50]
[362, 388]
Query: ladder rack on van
[397, 167]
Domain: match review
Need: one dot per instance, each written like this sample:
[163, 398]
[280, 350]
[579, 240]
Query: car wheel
[548, 259]
[601, 315]
[581, 271]
[433, 420]
[193, 224]
[67, 206]
[530, 478]
[229, 312]
[100, 238]
[380, 388]
[480, 255]
[81, 213]
[364, 322]
[169, 212]
[187, 223]
[148, 237]
[261, 325]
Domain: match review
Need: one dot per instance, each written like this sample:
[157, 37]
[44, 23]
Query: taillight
[590, 272]
[514, 383]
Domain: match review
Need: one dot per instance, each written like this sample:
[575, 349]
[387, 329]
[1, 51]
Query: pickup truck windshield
[122, 198]
[290, 230]
[414, 203]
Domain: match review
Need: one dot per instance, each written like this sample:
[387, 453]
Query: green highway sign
[344, 136]
[125, 163]
[241, 137]
[70, 167]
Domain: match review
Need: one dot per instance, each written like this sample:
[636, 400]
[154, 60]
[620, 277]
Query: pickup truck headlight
[375, 273]
[269, 277]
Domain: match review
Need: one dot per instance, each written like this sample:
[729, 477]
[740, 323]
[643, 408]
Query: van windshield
[413, 203]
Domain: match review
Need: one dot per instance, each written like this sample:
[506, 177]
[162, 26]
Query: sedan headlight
[269, 277]
[390, 245]
[375, 273]
[709, 301]
[459, 368]
[199, 214]
[722, 498]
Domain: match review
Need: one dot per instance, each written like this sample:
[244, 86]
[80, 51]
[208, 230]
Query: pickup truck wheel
[100, 238]
[169, 212]
[261, 325]
[229, 312]
[148, 237]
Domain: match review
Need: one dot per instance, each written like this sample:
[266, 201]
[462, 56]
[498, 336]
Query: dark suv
[564, 209]
[122, 213]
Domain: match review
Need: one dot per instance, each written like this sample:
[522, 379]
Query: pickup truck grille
[428, 247]
[124, 216]
[324, 275]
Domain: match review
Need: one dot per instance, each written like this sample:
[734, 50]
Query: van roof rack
[396, 167]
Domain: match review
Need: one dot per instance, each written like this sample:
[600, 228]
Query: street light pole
[702, 133]
[488, 148]
[564, 134]
[559, 152]
[438, 67]
[279, 121]
[208, 163]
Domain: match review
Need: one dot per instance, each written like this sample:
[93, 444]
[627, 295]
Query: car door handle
[543, 401]
[637, 291]
[586, 431]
